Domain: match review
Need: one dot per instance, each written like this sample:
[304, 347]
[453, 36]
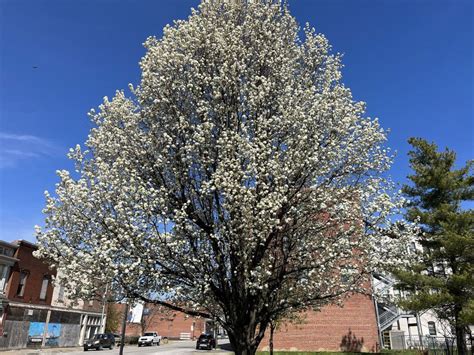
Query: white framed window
[44, 287]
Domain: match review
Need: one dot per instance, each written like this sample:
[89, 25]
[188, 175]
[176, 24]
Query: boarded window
[26, 314]
[14, 313]
[65, 317]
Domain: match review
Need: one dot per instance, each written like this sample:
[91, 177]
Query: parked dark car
[118, 339]
[206, 341]
[100, 341]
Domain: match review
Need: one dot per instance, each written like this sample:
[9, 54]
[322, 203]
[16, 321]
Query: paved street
[172, 348]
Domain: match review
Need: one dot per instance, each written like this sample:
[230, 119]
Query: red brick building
[29, 300]
[352, 327]
[33, 312]
[30, 278]
[170, 324]
[174, 325]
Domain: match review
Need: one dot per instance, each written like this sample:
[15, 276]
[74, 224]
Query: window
[61, 293]
[21, 284]
[44, 287]
[432, 328]
[6, 251]
[347, 275]
[3, 276]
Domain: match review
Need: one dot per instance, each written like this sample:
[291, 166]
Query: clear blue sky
[410, 60]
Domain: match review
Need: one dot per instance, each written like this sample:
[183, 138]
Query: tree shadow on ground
[225, 345]
[351, 343]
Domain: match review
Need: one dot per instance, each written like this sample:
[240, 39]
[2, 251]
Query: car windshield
[148, 334]
[97, 336]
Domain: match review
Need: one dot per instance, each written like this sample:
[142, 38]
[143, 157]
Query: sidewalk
[44, 351]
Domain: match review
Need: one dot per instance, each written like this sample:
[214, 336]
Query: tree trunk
[460, 333]
[124, 326]
[272, 330]
[461, 340]
[242, 342]
[241, 347]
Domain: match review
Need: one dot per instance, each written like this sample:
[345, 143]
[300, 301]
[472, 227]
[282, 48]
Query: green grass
[395, 352]
[383, 352]
[402, 352]
[304, 353]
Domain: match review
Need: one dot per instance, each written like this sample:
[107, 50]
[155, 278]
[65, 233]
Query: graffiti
[36, 332]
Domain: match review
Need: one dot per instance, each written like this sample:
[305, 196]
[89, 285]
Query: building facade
[7, 261]
[170, 324]
[350, 328]
[400, 329]
[174, 325]
[34, 312]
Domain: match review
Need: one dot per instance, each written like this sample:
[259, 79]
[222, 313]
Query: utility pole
[102, 318]
[216, 325]
[124, 326]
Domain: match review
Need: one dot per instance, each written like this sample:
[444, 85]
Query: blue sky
[410, 60]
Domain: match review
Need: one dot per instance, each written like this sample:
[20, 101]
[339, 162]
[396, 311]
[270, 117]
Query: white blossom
[241, 179]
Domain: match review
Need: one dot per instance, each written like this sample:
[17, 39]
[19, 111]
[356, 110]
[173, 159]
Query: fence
[435, 345]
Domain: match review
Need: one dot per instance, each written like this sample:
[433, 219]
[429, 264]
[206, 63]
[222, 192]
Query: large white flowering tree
[241, 181]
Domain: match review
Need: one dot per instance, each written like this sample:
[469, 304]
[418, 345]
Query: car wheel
[85, 349]
[158, 344]
[139, 345]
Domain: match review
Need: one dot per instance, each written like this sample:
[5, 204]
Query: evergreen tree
[443, 280]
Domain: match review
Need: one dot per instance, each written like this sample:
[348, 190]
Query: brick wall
[36, 270]
[166, 323]
[91, 306]
[350, 328]
[172, 324]
[132, 329]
